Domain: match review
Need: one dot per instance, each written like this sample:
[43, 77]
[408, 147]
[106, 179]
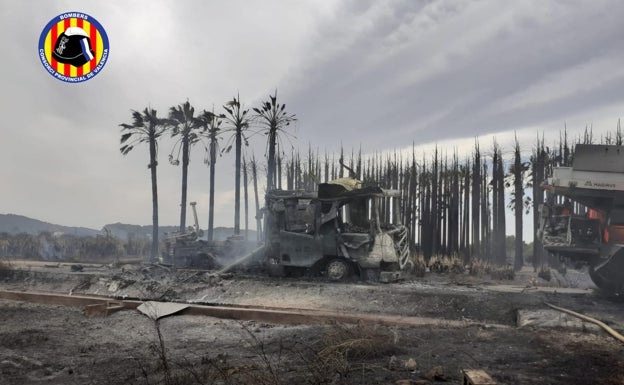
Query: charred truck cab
[592, 234]
[336, 232]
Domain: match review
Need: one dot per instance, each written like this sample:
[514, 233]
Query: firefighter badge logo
[73, 47]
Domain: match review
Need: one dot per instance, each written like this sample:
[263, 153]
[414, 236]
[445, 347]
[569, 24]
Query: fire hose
[604, 326]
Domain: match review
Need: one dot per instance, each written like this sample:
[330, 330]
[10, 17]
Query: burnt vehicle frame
[336, 232]
[595, 237]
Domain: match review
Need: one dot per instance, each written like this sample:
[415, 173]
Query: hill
[15, 224]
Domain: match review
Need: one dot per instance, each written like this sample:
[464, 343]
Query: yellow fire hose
[604, 326]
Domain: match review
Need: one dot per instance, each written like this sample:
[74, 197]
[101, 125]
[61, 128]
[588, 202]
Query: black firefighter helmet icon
[73, 46]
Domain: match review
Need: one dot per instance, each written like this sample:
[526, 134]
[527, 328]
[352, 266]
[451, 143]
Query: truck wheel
[338, 269]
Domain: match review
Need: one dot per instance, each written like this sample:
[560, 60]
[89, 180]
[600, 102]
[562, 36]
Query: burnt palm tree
[476, 200]
[146, 127]
[186, 127]
[211, 124]
[539, 161]
[498, 206]
[273, 118]
[519, 201]
[237, 122]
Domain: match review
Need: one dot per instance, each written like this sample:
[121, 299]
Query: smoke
[47, 251]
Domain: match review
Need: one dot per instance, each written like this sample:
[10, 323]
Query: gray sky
[382, 74]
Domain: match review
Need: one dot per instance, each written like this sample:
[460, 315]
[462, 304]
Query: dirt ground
[59, 345]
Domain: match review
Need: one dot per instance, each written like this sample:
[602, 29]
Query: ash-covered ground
[60, 345]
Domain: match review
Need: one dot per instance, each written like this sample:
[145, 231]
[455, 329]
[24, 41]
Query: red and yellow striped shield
[98, 45]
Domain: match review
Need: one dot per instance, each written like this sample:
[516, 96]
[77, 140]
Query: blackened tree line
[453, 207]
[68, 247]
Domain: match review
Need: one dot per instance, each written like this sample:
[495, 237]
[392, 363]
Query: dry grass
[479, 267]
[419, 266]
[358, 342]
[340, 352]
[444, 264]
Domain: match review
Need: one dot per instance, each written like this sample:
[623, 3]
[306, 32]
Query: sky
[382, 75]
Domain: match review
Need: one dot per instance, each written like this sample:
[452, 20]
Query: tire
[597, 279]
[607, 286]
[609, 275]
[338, 269]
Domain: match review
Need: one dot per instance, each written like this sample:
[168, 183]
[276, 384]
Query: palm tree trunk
[279, 171]
[246, 197]
[254, 175]
[213, 160]
[237, 177]
[414, 202]
[153, 163]
[435, 206]
[499, 207]
[486, 216]
[271, 160]
[538, 165]
[465, 242]
[185, 163]
[326, 179]
[518, 203]
[476, 200]
[454, 208]
[495, 206]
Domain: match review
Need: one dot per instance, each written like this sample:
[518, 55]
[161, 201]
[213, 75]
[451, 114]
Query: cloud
[380, 74]
[439, 70]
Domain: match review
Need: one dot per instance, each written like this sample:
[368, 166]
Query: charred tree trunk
[476, 200]
[279, 171]
[213, 161]
[498, 203]
[486, 217]
[326, 176]
[434, 211]
[538, 165]
[414, 203]
[465, 241]
[246, 197]
[254, 175]
[454, 205]
[518, 196]
[185, 163]
[152, 166]
[237, 180]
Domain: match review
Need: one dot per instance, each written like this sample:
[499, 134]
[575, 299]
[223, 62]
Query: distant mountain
[15, 224]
